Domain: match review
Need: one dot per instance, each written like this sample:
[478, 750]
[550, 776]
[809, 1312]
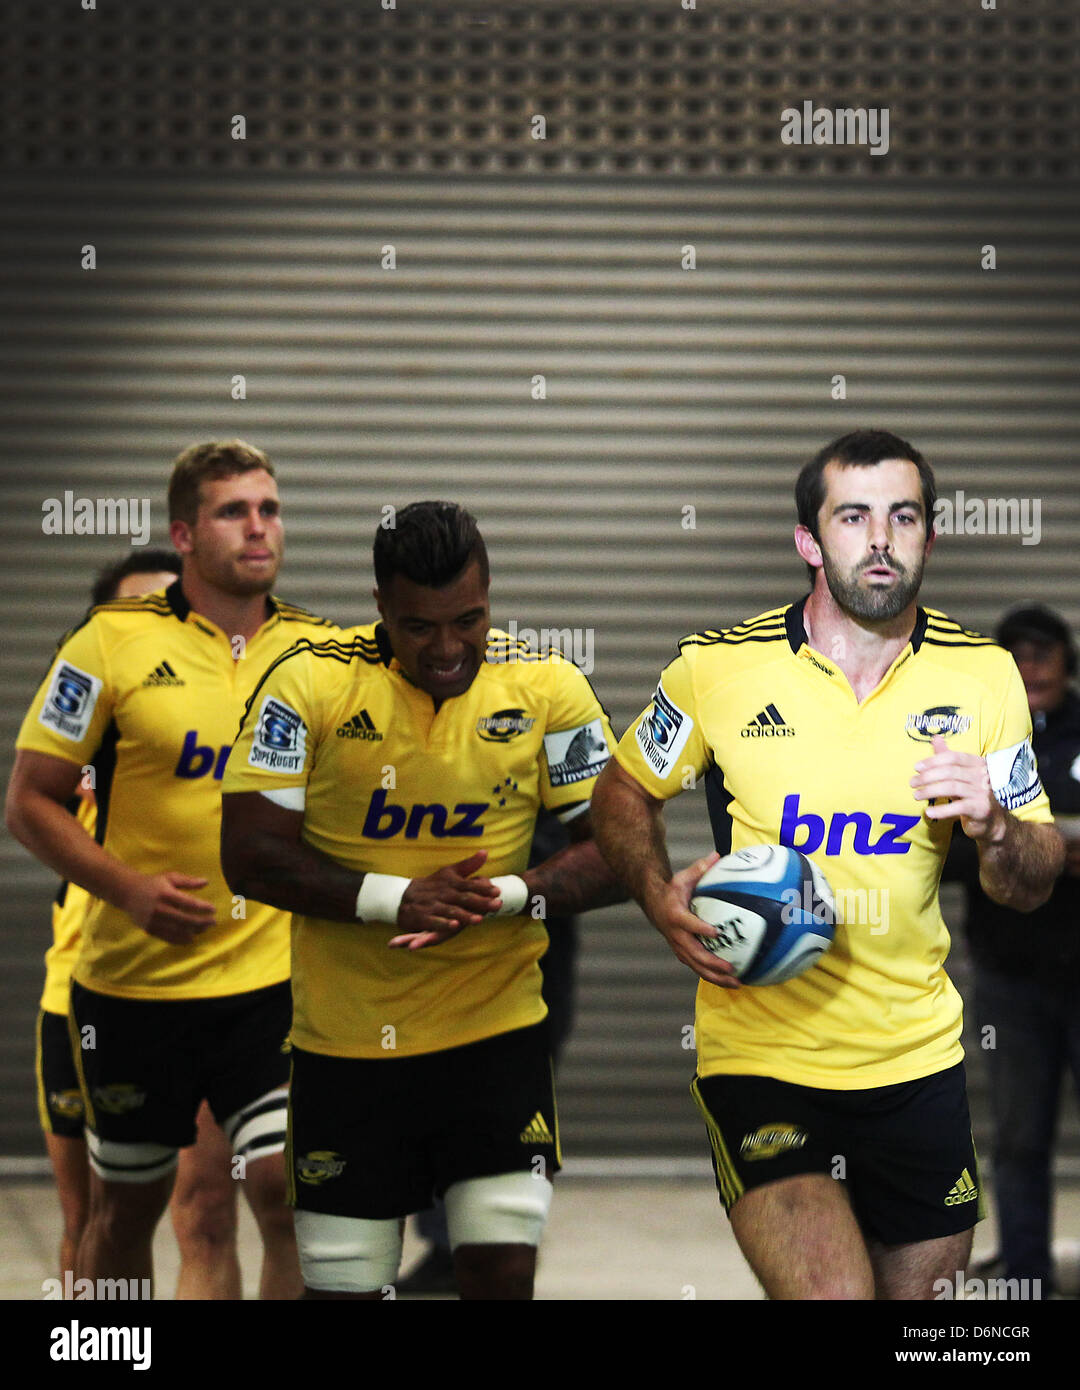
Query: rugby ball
[773, 908]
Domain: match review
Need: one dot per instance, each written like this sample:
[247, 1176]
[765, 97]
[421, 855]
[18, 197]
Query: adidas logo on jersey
[163, 675]
[536, 1131]
[963, 1190]
[360, 726]
[768, 724]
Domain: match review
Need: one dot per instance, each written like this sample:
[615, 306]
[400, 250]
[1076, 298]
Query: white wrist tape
[380, 897]
[513, 892]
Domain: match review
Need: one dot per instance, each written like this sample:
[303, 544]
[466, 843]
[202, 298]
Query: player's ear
[379, 603]
[180, 535]
[808, 548]
[931, 537]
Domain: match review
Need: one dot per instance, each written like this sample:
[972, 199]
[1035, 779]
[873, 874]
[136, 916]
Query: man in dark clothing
[1027, 966]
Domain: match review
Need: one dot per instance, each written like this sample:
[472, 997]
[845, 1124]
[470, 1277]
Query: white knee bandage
[114, 1162]
[258, 1130]
[507, 1209]
[347, 1254]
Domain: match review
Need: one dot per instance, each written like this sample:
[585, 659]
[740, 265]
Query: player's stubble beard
[230, 579]
[872, 605]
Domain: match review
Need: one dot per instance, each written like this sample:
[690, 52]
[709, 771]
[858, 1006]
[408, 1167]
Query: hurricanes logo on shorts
[119, 1098]
[319, 1167]
[67, 1104]
[770, 1140]
[964, 1189]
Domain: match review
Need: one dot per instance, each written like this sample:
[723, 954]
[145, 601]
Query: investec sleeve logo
[573, 755]
[1014, 775]
[280, 743]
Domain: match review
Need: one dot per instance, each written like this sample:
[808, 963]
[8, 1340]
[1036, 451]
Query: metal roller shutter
[646, 492]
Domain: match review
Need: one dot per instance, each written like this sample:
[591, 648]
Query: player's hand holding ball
[669, 910]
[771, 909]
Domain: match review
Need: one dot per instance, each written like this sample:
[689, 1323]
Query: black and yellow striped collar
[181, 605]
[796, 628]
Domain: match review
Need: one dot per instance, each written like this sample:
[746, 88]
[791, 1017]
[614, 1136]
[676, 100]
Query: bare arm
[264, 857]
[576, 878]
[629, 828]
[1018, 870]
[1018, 860]
[573, 880]
[36, 814]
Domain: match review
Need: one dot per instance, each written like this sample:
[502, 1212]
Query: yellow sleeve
[666, 741]
[280, 729]
[1010, 758]
[74, 704]
[577, 742]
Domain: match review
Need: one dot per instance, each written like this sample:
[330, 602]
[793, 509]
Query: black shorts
[379, 1138]
[905, 1151]
[60, 1102]
[147, 1064]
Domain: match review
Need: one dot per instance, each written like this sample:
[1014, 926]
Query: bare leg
[72, 1173]
[911, 1271]
[119, 1236]
[264, 1188]
[203, 1211]
[495, 1271]
[801, 1239]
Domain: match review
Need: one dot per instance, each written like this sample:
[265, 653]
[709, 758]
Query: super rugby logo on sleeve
[280, 742]
[69, 702]
[574, 755]
[1014, 775]
[662, 736]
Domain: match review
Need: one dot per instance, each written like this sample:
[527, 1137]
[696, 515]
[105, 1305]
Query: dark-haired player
[60, 1103]
[835, 1103]
[181, 991]
[372, 782]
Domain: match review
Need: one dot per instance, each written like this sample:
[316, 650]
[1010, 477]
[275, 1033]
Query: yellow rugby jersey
[793, 758]
[68, 911]
[148, 690]
[394, 786]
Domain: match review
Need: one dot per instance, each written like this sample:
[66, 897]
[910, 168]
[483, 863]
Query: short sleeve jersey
[394, 786]
[151, 693]
[795, 759]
